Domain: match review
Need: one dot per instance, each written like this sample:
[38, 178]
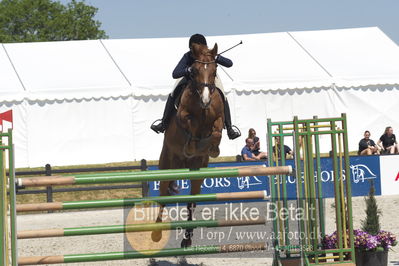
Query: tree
[46, 20]
[372, 222]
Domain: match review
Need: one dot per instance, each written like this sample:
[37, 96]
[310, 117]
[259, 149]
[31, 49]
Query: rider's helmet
[197, 38]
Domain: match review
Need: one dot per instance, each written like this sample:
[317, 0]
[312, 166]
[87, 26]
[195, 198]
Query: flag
[6, 116]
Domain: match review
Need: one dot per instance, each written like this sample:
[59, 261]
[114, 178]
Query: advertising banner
[363, 169]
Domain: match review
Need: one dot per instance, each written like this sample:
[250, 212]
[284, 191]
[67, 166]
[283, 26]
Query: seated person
[247, 153]
[252, 135]
[388, 141]
[367, 146]
[287, 150]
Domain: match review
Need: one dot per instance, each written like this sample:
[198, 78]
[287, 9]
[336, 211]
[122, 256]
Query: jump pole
[156, 175]
[129, 202]
[115, 229]
[213, 249]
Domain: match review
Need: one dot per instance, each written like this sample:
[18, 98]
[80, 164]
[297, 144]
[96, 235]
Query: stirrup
[158, 128]
[235, 132]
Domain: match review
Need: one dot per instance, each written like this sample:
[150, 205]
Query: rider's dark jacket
[187, 60]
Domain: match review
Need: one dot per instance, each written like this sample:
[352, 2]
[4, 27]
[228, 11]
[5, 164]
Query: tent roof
[272, 61]
[65, 69]
[10, 86]
[354, 57]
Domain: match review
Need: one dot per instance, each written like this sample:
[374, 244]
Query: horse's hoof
[187, 154]
[185, 243]
[156, 235]
[189, 149]
[173, 189]
[214, 152]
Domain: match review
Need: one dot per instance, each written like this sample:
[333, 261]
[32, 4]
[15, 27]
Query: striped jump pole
[129, 202]
[155, 175]
[115, 229]
[199, 250]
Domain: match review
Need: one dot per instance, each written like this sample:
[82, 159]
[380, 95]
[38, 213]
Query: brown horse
[195, 130]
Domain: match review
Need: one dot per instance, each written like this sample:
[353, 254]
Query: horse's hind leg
[195, 189]
[168, 161]
[186, 242]
[156, 235]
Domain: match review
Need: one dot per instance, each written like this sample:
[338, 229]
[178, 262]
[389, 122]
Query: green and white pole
[130, 202]
[170, 252]
[3, 208]
[156, 175]
[115, 229]
[12, 199]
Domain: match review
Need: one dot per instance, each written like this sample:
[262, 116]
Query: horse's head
[204, 72]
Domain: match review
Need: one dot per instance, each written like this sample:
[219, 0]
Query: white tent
[83, 102]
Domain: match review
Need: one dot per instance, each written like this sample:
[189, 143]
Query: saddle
[177, 93]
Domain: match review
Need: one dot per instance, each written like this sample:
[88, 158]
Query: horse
[195, 129]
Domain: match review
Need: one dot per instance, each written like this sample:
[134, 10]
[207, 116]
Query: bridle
[198, 85]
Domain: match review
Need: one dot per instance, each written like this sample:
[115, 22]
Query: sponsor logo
[397, 177]
[361, 172]
[247, 181]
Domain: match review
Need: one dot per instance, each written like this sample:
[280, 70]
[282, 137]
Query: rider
[183, 70]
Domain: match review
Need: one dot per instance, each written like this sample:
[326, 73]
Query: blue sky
[178, 18]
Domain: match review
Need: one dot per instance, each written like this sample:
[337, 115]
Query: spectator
[389, 143]
[247, 153]
[256, 147]
[367, 146]
[287, 150]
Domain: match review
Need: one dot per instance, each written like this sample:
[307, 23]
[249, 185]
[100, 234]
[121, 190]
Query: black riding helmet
[197, 38]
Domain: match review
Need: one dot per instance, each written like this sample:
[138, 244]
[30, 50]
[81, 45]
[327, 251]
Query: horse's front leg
[216, 137]
[188, 124]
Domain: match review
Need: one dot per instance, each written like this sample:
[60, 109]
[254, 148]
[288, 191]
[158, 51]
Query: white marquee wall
[86, 102]
[117, 129]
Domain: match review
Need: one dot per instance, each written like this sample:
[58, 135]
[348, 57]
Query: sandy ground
[117, 242]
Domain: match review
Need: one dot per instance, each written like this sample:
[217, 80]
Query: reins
[204, 62]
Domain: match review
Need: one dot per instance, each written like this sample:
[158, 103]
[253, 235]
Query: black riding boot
[169, 108]
[233, 133]
[163, 124]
